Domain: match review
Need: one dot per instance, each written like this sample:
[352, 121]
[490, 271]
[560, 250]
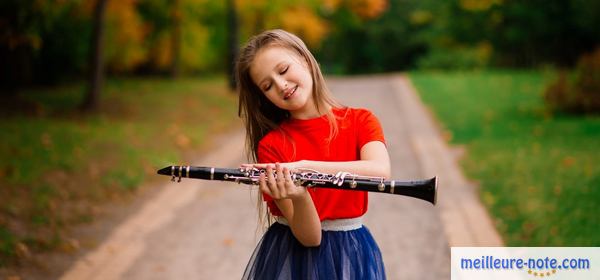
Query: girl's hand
[281, 187]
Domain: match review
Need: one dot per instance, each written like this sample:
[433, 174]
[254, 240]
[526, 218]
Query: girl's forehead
[269, 58]
[273, 54]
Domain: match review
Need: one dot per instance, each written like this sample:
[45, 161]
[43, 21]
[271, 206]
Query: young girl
[293, 122]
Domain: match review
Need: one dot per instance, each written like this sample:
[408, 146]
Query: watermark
[553, 263]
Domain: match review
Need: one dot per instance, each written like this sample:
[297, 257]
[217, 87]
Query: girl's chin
[298, 107]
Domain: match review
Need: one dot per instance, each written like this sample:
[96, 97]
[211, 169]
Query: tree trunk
[96, 75]
[175, 39]
[232, 42]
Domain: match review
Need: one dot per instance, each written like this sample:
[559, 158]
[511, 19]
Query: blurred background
[95, 95]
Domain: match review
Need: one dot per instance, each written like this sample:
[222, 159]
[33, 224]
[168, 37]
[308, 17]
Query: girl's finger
[271, 182]
[281, 181]
[287, 176]
[289, 183]
[262, 184]
[280, 178]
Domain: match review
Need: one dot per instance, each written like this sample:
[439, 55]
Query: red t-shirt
[307, 140]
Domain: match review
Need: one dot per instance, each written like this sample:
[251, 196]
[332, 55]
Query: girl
[293, 122]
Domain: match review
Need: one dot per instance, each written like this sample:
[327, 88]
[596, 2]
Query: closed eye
[284, 70]
[268, 86]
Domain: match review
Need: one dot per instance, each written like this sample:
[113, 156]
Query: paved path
[408, 230]
[207, 230]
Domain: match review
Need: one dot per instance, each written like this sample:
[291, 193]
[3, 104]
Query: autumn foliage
[48, 41]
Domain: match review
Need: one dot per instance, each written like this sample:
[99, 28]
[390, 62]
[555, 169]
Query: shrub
[457, 58]
[581, 94]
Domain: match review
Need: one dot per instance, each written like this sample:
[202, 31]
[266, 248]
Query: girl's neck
[311, 112]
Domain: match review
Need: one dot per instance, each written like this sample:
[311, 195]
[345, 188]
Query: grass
[58, 165]
[539, 173]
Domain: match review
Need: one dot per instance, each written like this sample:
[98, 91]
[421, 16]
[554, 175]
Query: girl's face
[284, 78]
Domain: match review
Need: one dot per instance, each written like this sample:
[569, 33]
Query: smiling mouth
[289, 93]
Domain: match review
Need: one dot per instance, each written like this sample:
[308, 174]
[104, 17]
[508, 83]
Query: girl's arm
[295, 204]
[374, 161]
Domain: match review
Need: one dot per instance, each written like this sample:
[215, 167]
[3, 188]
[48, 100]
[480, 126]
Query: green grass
[58, 165]
[539, 173]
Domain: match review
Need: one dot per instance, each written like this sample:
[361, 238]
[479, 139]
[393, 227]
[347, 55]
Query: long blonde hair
[260, 115]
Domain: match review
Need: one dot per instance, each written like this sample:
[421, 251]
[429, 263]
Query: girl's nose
[281, 83]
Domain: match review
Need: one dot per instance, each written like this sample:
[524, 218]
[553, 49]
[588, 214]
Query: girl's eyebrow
[276, 66]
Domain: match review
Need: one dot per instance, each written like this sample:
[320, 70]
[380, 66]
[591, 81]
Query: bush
[580, 95]
[457, 58]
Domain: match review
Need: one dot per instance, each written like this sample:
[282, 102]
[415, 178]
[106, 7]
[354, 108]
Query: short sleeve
[369, 128]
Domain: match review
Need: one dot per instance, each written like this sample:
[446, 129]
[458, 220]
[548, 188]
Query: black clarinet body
[421, 189]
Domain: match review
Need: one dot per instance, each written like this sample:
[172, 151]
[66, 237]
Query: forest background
[73, 142]
[48, 42]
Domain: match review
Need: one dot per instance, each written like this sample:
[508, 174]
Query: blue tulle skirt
[344, 255]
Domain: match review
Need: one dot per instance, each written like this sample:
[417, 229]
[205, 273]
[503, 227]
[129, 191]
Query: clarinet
[421, 189]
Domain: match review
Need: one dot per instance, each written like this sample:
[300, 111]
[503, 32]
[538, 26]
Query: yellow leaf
[368, 9]
[478, 5]
[125, 33]
[305, 23]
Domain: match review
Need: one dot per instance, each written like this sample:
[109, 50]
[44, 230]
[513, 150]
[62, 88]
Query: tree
[96, 58]
[232, 41]
[175, 39]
